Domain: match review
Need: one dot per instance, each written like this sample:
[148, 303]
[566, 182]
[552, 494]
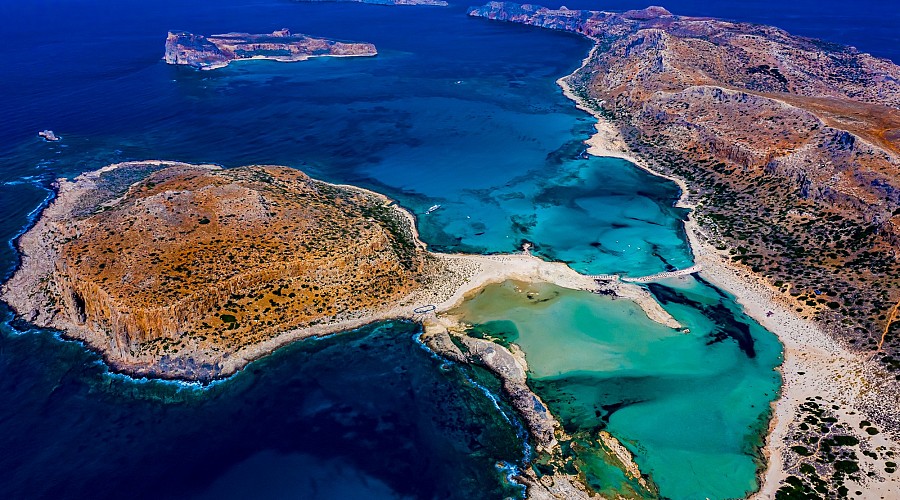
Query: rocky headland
[788, 150]
[217, 51]
[188, 271]
[183, 271]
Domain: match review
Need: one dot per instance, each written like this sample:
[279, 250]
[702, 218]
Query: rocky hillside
[790, 145]
[216, 51]
[168, 269]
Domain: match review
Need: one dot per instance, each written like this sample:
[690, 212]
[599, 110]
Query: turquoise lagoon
[692, 407]
[455, 112]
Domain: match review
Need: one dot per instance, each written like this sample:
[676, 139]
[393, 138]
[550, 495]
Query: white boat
[432, 209]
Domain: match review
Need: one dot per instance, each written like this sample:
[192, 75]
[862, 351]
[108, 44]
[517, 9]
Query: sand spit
[448, 279]
[453, 277]
[444, 280]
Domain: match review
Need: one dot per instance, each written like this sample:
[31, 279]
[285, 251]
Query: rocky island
[48, 135]
[788, 149]
[217, 51]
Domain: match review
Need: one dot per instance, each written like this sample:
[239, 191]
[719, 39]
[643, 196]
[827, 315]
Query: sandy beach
[814, 364]
[452, 278]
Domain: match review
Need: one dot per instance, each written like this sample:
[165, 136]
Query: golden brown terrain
[191, 264]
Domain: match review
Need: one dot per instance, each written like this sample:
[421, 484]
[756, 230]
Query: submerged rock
[49, 136]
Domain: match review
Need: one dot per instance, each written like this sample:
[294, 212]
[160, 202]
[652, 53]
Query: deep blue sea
[453, 111]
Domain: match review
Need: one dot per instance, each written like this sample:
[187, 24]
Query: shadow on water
[366, 414]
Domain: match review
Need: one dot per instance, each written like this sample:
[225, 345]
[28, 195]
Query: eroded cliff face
[791, 147]
[168, 269]
[216, 51]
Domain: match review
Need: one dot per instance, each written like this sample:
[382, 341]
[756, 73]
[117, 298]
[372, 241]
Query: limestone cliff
[168, 269]
[216, 51]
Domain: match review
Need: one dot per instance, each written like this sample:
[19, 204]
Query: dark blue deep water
[364, 415]
[454, 111]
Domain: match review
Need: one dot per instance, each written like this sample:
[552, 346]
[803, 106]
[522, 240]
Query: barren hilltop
[168, 269]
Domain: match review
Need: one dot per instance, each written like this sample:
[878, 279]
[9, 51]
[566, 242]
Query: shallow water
[691, 406]
[454, 111]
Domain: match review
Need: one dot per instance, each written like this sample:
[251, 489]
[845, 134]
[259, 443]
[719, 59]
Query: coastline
[813, 364]
[447, 280]
[456, 277]
[212, 67]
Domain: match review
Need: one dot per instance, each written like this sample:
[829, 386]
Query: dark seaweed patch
[727, 325]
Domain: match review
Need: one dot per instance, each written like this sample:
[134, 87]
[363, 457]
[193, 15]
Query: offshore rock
[218, 51]
[48, 135]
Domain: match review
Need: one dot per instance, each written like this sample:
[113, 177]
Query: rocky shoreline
[217, 51]
[815, 368]
[445, 280]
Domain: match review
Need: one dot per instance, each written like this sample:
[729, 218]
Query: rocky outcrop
[169, 269]
[48, 135]
[217, 51]
[510, 366]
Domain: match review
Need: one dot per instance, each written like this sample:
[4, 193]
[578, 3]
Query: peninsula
[217, 51]
[788, 150]
[182, 271]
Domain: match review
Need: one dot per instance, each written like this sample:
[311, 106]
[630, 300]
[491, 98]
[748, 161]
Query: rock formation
[169, 269]
[48, 135]
[216, 51]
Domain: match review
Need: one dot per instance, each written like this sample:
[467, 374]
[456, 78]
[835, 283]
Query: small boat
[432, 209]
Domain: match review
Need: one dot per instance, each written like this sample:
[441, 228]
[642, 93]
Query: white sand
[828, 369]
